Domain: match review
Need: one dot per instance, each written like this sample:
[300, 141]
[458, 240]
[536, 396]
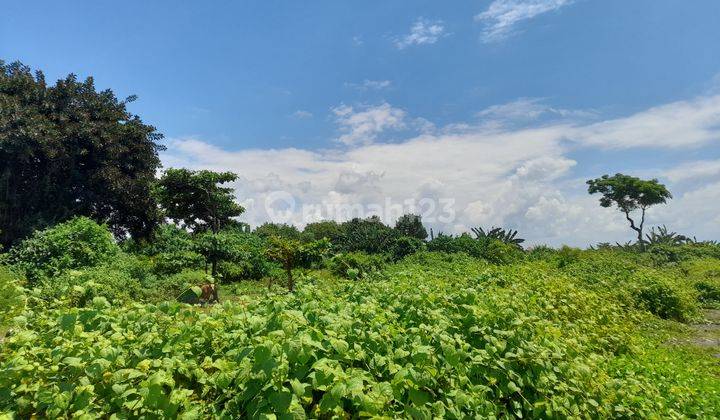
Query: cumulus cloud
[423, 31]
[502, 16]
[363, 125]
[464, 175]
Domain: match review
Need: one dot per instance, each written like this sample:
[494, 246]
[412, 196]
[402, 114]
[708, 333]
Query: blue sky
[585, 86]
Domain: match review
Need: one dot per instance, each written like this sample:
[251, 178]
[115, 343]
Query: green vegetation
[104, 304]
[435, 335]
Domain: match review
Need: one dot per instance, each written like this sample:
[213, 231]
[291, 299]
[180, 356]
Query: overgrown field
[435, 335]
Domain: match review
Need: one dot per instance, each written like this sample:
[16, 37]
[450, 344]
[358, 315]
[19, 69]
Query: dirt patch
[707, 334]
[712, 316]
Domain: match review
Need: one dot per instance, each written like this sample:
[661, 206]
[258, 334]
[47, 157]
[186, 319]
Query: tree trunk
[641, 242]
[214, 268]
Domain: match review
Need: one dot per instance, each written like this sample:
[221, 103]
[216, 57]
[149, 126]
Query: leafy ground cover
[435, 335]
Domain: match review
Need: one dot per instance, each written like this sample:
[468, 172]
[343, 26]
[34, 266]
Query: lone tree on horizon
[629, 193]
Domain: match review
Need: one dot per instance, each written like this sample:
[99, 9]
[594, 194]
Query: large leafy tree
[282, 230]
[328, 229]
[369, 235]
[197, 200]
[630, 194]
[69, 150]
[411, 225]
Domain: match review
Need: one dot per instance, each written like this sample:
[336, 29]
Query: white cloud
[423, 31]
[519, 178]
[302, 114]
[678, 124]
[525, 110]
[362, 126]
[502, 16]
[370, 84]
[690, 171]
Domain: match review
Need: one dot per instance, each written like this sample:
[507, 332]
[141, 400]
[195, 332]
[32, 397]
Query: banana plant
[508, 236]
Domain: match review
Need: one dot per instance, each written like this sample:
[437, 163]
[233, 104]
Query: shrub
[75, 244]
[247, 258]
[704, 275]
[442, 243]
[663, 297]
[664, 254]
[354, 265]
[167, 239]
[168, 263]
[498, 252]
[12, 298]
[708, 292]
[78, 288]
[404, 246]
[452, 244]
[292, 254]
[541, 253]
[492, 250]
[173, 287]
[567, 255]
[627, 277]
[369, 235]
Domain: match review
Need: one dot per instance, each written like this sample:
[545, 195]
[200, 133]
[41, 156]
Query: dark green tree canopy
[280, 230]
[328, 229]
[629, 193]
[68, 150]
[369, 235]
[197, 200]
[411, 225]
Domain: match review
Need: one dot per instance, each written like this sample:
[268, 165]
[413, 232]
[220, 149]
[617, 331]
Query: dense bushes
[12, 298]
[354, 265]
[80, 287]
[663, 296]
[78, 243]
[628, 278]
[492, 250]
[704, 275]
[248, 260]
[366, 235]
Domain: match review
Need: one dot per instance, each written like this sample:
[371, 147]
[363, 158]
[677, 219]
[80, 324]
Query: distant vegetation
[104, 265]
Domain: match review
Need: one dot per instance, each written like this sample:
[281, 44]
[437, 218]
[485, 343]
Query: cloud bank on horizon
[514, 166]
